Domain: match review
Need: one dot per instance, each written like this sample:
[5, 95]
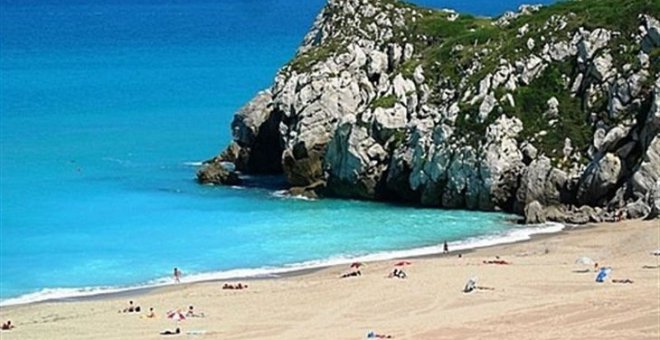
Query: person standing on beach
[177, 275]
[445, 247]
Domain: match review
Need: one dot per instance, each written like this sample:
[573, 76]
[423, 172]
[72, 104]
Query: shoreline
[465, 246]
[542, 290]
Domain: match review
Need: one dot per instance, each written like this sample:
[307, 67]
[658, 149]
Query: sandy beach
[541, 294]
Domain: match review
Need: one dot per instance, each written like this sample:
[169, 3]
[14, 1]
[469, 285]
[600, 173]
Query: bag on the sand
[602, 274]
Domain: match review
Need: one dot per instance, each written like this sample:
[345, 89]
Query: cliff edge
[551, 112]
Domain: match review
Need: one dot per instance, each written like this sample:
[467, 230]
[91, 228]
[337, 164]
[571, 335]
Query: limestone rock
[541, 182]
[363, 111]
[534, 213]
[217, 173]
[592, 42]
[486, 107]
[355, 163]
[378, 63]
[602, 67]
[387, 121]
[645, 177]
[248, 120]
[601, 176]
[637, 209]
[553, 108]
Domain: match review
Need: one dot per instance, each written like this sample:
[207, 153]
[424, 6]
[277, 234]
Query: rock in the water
[217, 173]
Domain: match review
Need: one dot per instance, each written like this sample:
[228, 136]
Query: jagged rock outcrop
[385, 100]
[534, 213]
[214, 172]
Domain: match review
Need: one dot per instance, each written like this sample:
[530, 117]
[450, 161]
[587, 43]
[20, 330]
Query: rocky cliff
[551, 112]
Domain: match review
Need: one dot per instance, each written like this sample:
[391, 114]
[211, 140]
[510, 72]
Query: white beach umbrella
[587, 261]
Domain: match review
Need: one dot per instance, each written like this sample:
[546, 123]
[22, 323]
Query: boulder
[637, 209]
[599, 180]
[534, 213]
[217, 173]
[647, 174]
[553, 108]
[540, 182]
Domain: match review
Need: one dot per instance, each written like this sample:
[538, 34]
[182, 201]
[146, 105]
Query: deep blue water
[102, 107]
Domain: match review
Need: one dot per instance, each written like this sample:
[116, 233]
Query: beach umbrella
[656, 252]
[403, 263]
[585, 261]
[357, 264]
[176, 315]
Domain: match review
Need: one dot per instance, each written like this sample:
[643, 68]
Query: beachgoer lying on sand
[394, 273]
[398, 273]
[471, 285]
[353, 273]
[7, 325]
[372, 335]
[497, 262]
[191, 313]
[237, 286]
[169, 332]
[622, 281]
[131, 308]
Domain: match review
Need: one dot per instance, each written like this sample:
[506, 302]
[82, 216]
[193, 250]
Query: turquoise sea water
[104, 109]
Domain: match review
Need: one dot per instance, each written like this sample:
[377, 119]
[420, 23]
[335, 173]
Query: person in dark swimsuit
[169, 332]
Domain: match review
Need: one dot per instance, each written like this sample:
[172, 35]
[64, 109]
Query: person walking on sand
[445, 247]
[177, 275]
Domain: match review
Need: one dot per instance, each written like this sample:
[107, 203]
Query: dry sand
[539, 296]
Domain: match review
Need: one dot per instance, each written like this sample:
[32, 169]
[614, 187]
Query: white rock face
[486, 107]
[250, 117]
[602, 69]
[530, 69]
[553, 108]
[377, 63]
[599, 178]
[351, 159]
[648, 173]
[386, 121]
[322, 115]
[592, 42]
[530, 44]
